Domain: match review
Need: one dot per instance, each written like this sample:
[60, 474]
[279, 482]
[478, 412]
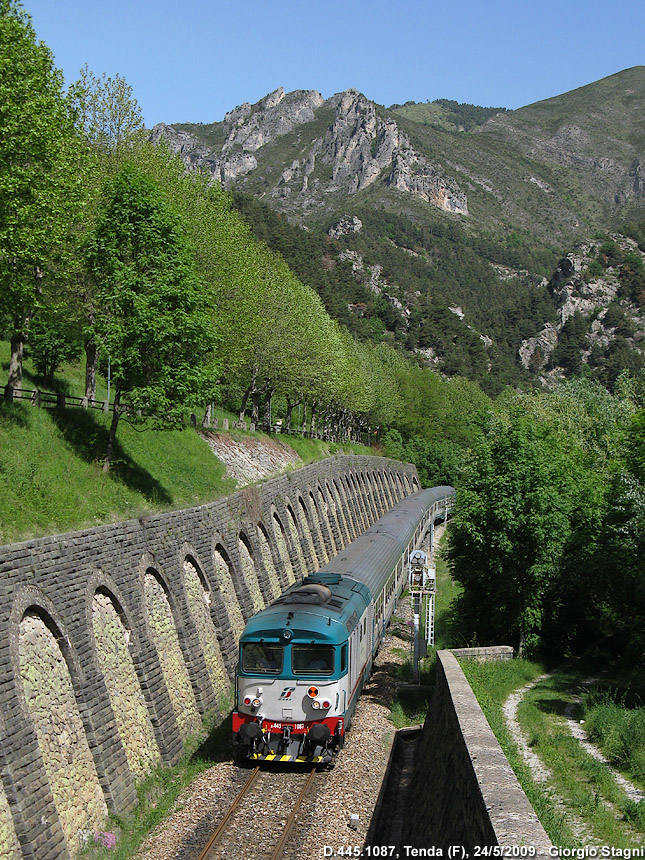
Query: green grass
[51, 477]
[310, 450]
[586, 785]
[615, 721]
[492, 683]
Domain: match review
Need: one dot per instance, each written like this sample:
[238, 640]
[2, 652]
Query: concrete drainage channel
[389, 823]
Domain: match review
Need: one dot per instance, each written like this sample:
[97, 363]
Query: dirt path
[541, 774]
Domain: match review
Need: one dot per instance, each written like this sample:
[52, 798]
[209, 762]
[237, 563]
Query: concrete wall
[463, 787]
[116, 642]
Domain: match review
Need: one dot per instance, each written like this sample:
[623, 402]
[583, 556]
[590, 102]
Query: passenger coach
[304, 659]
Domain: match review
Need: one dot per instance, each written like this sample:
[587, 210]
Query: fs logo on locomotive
[286, 693]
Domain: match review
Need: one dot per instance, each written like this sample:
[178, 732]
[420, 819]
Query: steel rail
[215, 837]
[279, 849]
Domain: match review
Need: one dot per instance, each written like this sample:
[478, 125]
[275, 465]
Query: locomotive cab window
[312, 659]
[261, 657]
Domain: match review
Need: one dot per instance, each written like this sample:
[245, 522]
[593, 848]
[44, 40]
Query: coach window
[312, 659]
[261, 657]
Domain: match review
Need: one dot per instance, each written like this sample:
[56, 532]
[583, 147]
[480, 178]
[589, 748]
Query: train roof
[324, 607]
[382, 545]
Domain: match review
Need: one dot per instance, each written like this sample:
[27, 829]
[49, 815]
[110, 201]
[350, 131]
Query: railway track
[261, 819]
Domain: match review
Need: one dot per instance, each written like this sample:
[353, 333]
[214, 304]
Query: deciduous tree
[41, 187]
[152, 313]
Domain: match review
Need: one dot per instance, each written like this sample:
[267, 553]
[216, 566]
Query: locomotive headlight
[315, 705]
[256, 703]
[326, 704]
[247, 700]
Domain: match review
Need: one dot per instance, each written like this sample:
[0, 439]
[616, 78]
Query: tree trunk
[303, 426]
[267, 409]
[255, 408]
[15, 363]
[245, 397]
[91, 366]
[288, 416]
[116, 414]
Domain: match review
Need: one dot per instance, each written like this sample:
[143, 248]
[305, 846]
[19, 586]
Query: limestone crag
[251, 127]
[576, 291]
[345, 226]
[358, 148]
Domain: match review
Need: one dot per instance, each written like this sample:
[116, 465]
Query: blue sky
[188, 60]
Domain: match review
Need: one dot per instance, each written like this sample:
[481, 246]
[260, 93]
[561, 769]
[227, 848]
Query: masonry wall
[116, 642]
[465, 791]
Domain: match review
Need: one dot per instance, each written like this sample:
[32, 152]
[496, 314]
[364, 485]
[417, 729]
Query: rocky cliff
[597, 312]
[341, 144]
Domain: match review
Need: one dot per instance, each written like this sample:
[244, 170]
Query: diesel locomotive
[304, 659]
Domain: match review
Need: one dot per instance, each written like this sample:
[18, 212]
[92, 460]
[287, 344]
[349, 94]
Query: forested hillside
[402, 276]
[452, 218]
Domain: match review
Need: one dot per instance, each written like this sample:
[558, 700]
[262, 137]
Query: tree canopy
[152, 314]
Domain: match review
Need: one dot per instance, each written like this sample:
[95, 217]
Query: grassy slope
[51, 477]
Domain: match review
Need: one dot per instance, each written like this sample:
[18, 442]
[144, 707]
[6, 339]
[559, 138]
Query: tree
[529, 494]
[41, 186]
[152, 313]
[109, 121]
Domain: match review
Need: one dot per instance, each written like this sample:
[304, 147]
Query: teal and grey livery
[304, 659]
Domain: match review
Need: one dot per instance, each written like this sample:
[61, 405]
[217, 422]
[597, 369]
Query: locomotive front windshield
[312, 659]
[261, 657]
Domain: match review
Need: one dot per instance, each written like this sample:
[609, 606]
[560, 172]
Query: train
[304, 659]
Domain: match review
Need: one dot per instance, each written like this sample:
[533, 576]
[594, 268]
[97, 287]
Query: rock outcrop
[358, 148]
[575, 290]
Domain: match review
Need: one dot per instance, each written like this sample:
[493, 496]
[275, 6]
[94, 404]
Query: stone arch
[322, 507]
[387, 489]
[48, 674]
[393, 486]
[368, 501]
[307, 529]
[416, 486]
[249, 571]
[9, 845]
[267, 560]
[345, 511]
[226, 584]
[292, 523]
[288, 577]
[112, 635]
[163, 633]
[377, 502]
[362, 521]
[377, 495]
[199, 599]
[400, 485]
[339, 514]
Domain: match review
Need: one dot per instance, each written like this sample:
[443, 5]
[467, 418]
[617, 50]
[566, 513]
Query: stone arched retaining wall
[126, 636]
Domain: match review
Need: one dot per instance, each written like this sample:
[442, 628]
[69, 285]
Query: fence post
[35, 398]
[8, 393]
[60, 400]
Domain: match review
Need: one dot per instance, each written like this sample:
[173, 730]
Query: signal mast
[422, 582]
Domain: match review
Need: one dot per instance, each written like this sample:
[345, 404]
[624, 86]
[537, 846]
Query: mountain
[449, 219]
